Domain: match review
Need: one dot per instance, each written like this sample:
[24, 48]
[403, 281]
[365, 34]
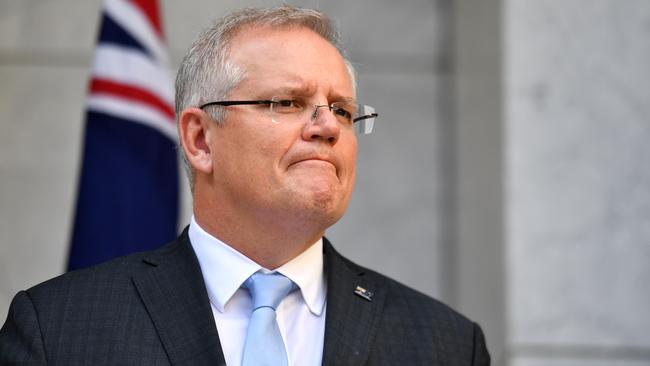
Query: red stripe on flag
[103, 86]
[150, 9]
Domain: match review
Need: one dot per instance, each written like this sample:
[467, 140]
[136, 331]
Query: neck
[268, 242]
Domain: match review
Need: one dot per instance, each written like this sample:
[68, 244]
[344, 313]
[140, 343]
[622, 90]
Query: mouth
[316, 162]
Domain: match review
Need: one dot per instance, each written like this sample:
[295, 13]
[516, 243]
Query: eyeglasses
[280, 110]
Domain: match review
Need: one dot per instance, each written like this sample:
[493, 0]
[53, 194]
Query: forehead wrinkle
[290, 83]
[282, 80]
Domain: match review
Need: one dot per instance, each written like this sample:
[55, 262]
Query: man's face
[286, 171]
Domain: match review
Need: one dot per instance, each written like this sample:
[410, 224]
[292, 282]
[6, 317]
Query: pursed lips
[316, 158]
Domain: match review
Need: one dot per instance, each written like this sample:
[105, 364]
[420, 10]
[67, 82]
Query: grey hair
[206, 73]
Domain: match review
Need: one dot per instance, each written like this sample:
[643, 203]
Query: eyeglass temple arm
[367, 116]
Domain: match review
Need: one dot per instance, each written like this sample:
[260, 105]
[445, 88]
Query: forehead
[289, 57]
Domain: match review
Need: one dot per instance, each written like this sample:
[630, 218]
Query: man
[266, 112]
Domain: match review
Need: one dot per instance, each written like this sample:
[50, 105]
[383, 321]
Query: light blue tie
[264, 345]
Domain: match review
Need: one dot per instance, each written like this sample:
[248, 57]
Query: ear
[194, 134]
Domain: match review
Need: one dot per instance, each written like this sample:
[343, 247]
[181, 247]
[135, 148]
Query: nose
[322, 125]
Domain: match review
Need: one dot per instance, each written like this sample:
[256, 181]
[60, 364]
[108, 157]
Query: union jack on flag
[128, 190]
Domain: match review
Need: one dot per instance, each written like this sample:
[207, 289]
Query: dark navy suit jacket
[152, 308]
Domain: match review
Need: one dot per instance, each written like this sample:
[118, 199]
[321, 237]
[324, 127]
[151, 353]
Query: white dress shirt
[301, 315]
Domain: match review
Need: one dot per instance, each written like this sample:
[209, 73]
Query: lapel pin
[362, 292]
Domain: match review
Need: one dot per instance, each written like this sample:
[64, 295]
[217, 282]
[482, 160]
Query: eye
[341, 112]
[287, 106]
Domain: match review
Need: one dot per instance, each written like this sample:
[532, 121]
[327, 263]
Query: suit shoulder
[403, 295]
[430, 329]
[112, 273]
[400, 298]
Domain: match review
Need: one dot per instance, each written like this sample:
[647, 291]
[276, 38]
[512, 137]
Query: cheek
[234, 155]
[349, 155]
[265, 153]
[254, 140]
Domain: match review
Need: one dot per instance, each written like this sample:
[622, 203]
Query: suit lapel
[173, 291]
[351, 320]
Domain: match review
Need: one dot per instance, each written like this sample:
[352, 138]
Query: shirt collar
[225, 269]
[306, 271]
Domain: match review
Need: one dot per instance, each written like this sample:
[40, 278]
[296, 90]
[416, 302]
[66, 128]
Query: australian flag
[128, 190]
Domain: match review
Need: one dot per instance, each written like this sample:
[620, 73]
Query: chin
[319, 198]
[324, 206]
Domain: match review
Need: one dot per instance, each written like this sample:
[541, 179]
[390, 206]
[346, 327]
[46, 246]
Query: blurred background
[508, 174]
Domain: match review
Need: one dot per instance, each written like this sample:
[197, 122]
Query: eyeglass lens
[292, 111]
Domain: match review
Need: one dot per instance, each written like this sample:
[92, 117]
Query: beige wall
[553, 203]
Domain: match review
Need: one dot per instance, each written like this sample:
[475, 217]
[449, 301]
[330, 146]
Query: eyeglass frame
[226, 103]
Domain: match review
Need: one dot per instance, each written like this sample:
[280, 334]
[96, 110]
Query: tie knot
[268, 289]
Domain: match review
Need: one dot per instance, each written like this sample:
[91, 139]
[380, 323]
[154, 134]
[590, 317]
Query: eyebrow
[341, 98]
[297, 86]
[295, 90]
